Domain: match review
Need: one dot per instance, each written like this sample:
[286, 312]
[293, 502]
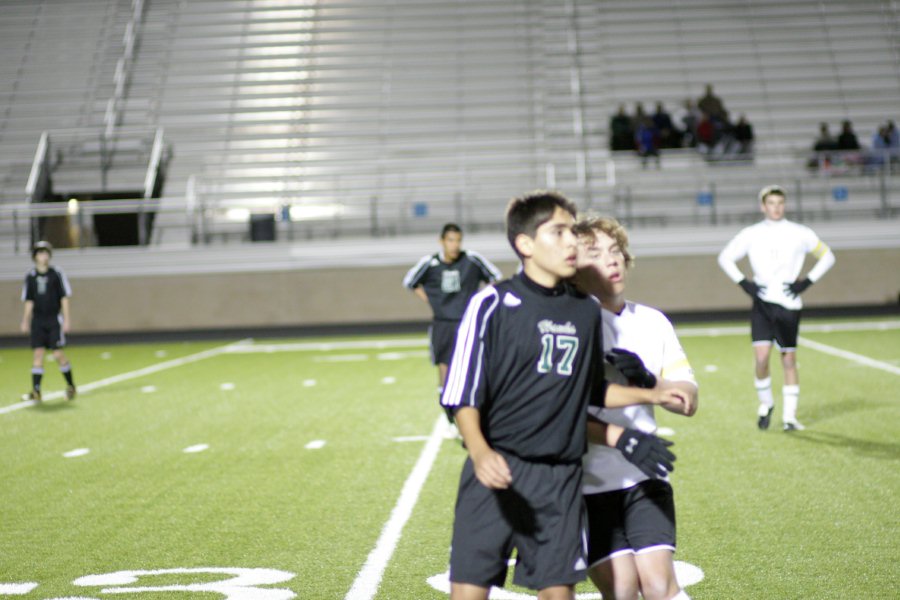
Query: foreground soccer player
[525, 365]
[631, 516]
[446, 281]
[46, 296]
[776, 248]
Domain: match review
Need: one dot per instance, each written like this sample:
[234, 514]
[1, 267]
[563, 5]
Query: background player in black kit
[525, 365]
[447, 280]
[46, 295]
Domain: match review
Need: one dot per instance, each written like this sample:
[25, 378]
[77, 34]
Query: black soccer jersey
[46, 290]
[450, 285]
[530, 359]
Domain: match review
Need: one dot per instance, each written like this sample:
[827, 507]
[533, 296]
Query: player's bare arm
[691, 397]
[419, 291]
[26, 316]
[490, 466]
[664, 393]
[64, 303]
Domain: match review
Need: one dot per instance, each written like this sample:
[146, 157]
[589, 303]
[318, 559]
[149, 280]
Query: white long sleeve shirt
[776, 250]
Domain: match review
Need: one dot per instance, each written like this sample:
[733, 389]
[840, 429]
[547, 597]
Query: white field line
[169, 364]
[369, 578]
[242, 348]
[813, 328]
[851, 356]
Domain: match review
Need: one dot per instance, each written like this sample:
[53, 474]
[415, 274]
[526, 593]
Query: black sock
[36, 375]
[67, 373]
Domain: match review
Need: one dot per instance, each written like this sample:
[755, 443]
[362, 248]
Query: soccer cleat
[793, 426]
[34, 395]
[70, 392]
[765, 417]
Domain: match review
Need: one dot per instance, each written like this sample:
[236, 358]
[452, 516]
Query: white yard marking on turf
[87, 387]
[369, 578]
[851, 356]
[148, 389]
[389, 380]
[315, 445]
[665, 431]
[309, 382]
[196, 448]
[411, 438]
[105, 355]
[250, 347]
[342, 358]
[813, 328]
[710, 368]
[76, 452]
[226, 387]
[402, 355]
[161, 354]
[16, 589]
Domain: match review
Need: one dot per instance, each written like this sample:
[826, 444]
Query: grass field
[317, 469]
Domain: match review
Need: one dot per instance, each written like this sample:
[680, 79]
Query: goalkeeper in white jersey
[776, 249]
[631, 511]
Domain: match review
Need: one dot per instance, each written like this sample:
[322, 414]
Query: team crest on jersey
[450, 282]
[548, 326]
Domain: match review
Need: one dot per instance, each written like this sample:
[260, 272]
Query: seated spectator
[743, 136]
[706, 134]
[688, 117]
[646, 139]
[847, 140]
[669, 137]
[885, 146]
[713, 106]
[621, 133]
[822, 147]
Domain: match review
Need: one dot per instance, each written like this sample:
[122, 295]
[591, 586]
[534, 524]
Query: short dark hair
[527, 213]
[770, 190]
[42, 246]
[450, 227]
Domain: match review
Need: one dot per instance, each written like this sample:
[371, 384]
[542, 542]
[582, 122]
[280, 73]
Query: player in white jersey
[631, 515]
[776, 249]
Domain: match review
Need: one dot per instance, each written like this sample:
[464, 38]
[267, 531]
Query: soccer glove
[647, 452]
[753, 290]
[632, 367]
[798, 287]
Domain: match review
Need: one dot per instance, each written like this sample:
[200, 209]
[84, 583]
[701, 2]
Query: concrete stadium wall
[375, 295]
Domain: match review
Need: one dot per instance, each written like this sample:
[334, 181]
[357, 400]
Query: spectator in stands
[688, 117]
[885, 146]
[646, 139]
[706, 134]
[621, 132]
[713, 106]
[669, 136]
[743, 137]
[847, 140]
[823, 146]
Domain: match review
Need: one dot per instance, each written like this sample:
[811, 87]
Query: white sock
[764, 393]
[681, 595]
[791, 395]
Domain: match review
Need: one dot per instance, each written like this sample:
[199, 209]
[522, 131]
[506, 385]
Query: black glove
[647, 452]
[632, 367]
[753, 290]
[798, 287]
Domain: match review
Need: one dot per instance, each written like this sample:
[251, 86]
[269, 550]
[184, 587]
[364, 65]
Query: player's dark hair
[41, 247]
[527, 213]
[450, 227]
[770, 190]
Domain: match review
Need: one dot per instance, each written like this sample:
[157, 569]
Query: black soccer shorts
[47, 333]
[442, 339]
[770, 321]
[541, 516]
[630, 521]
